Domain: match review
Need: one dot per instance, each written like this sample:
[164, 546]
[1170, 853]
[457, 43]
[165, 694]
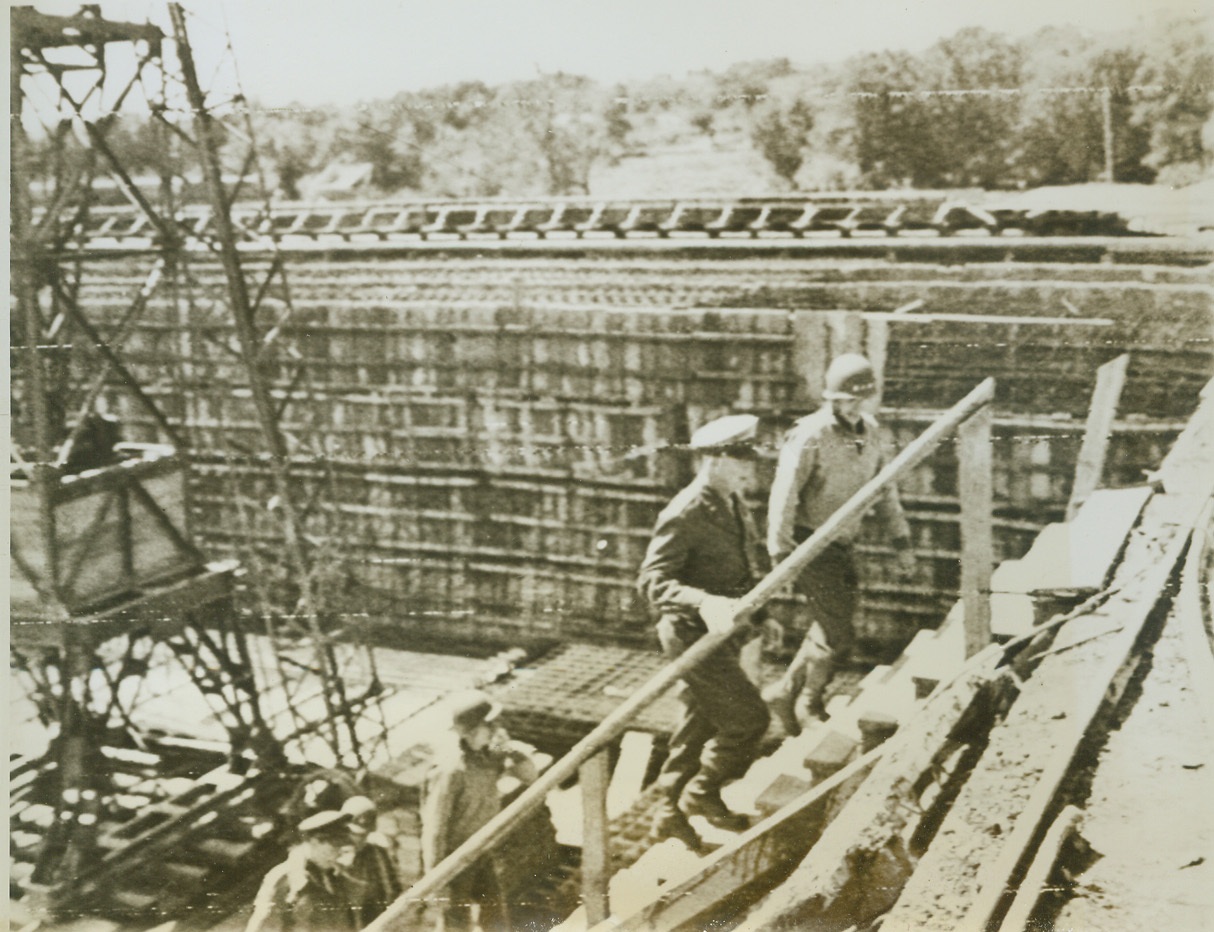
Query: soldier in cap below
[309, 892]
[705, 554]
[373, 874]
[461, 797]
[826, 458]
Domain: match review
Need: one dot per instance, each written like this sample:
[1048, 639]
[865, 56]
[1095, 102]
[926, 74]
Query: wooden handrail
[506, 821]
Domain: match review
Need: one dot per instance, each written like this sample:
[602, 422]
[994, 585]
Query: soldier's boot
[670, 822]
[781, 699]
[818, 675]
[703, 798]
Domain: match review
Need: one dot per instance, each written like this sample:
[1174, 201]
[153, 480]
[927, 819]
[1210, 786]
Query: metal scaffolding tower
[107, 582]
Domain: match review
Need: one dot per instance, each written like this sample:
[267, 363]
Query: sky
[318, 52]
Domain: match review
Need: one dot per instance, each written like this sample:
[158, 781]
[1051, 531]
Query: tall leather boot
[703, 798]
[818, 674]
[781, 697]
[670, 822]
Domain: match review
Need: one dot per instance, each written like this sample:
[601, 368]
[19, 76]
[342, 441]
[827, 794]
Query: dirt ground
[1151, 811]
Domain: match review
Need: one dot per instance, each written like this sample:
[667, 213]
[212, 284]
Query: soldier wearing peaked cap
[704, 555]
[374, 878]
[309, 892]
[825, 459]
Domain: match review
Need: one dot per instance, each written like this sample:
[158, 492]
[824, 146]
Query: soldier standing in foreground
[826, 458]
[461, 797]
[705, 554]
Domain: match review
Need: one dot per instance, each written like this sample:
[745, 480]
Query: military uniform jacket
[703, 544]
[823, 463]
[297, 896]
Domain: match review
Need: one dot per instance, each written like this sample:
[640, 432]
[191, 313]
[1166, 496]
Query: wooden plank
[1079, 556]
[596, 868]
[636, 748]
[1069, 821]
[997, 818]
[874, 819]
[976, 494]
[1089, 469]
[762, 849]
[877, 351]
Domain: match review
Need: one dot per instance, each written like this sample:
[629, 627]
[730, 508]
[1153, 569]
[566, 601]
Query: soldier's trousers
[724, 718]
[831, 587]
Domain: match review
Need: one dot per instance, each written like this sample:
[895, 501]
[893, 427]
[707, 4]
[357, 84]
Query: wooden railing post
[977, 543]
[593, 777]
[1110, 379]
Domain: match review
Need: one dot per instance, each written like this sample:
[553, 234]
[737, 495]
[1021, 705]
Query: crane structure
[107, 584]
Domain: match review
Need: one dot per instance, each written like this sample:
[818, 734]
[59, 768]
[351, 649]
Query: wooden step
[829, 755]
[875, 728]
[783, 790]
[185, 873]
[224, 851]
[141, 902]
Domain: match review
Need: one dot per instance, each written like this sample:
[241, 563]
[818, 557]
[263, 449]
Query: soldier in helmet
[705, 554]
[826, 458]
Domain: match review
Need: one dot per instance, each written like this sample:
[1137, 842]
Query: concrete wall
[468, 416]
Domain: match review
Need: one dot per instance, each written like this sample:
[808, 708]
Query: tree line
[976, 109]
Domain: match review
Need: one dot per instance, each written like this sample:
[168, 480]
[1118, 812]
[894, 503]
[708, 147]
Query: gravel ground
[1151, 812]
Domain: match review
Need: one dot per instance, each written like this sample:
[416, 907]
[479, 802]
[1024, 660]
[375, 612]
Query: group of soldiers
[342, 872]
[705, 554]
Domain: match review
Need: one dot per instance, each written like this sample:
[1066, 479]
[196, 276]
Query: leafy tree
[1174, 97]
[892, 141]
[780, 134]
[702, 121]
[570, 136]
[616, 116]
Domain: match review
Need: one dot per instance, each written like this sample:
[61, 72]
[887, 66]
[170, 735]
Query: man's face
[847, 409]
[736, 472]
[478, 738]
[325, 852]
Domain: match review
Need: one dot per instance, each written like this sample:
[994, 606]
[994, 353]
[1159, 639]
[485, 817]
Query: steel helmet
[850, 376]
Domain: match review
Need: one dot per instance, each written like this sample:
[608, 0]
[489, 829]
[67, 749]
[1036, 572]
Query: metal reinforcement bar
[506, 821]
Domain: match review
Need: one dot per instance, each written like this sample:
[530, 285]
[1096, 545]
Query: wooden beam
[846, 332]
[810, 351]
[877, 351]
[993, 825]
[1110, 379]
[593, 776]
[976, 495]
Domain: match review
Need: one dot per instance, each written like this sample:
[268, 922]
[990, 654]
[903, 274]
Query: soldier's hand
[773, 635]
[719, 613]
